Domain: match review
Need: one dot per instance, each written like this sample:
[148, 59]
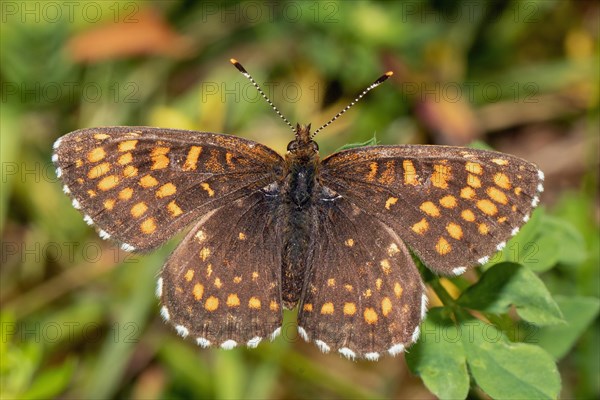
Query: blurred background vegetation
[79, 317]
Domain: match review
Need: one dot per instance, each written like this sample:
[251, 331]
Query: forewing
[453, 206]
[222, 285]
[140, 185]
[364, 296]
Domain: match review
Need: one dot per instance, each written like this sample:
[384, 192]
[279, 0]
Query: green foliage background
[79, 318]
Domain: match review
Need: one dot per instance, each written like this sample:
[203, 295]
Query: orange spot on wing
[198, 291]
[192, 158]
[159, 158]
[370, 316]
[349, 308]
[502, 180]
[448, 201]
[125, 159]
[454, 230]
[487, 207]
[208, 189]
[327, 308]
[148, 226]
[108, 182]
[273, 306]
[372, 172]
[467, 193]
[497, 195]
[166, 190]
[430, 209]
[148, 181]
[174, 209]
[473, 181]
[189, 275]
[109, 204]
[138, 209]
[483, 229]
[398, 289]
[96, 154]
[421, 227]
[127, 145]
[474, 168]
[387, 177]
[101, 136]
[410, 173]
[126, 193]
[390, 201]
[204, 253]
[386, 267]
[386, 306]
[443, 247]
[254, 303]
[440, 176]
[233, 300]
[98, 170]
[211, 304]
[213, 164]
[130, 171]
[468, 215]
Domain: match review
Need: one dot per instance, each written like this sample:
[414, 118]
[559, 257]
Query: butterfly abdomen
[298, 202]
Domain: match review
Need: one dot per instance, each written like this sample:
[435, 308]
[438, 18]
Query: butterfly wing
[453, 206]
[364, 295]
[222, 285]
[140, 185]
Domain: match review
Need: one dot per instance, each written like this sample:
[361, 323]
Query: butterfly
[332, 236]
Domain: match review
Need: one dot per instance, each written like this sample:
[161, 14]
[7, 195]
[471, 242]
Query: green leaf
[439, 358]
[508, 370]
[480, 145]
[544, 242]
[19, 359]
[51, 382]
[509, 284]
[571, 246]
[534, 246]
[369, 142]
[9, 153]
[579, 312]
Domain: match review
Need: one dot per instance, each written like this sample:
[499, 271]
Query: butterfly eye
[293, 146]
[315, 146]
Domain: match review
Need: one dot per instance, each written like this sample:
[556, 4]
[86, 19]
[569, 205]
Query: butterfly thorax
[299, 192]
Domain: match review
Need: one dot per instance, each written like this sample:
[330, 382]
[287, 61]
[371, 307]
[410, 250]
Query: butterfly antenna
[378, 82]
[241, 68]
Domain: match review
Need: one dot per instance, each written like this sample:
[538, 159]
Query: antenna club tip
[238, 66]
[388, 74]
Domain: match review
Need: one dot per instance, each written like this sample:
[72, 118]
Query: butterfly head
[303, 147]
